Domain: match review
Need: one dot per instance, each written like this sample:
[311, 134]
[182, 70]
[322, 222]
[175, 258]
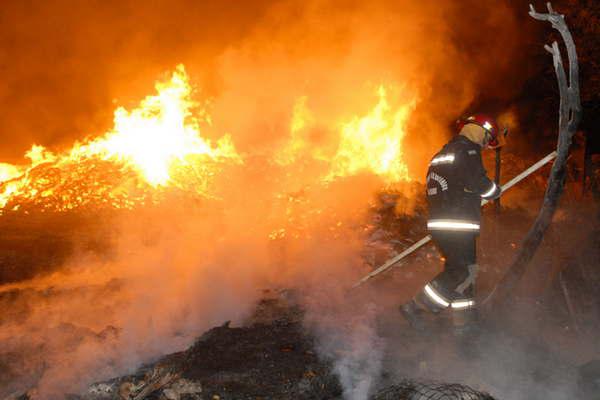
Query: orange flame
[158, 136]
[158, 146]
[297, 144]
[9, 171]
[159, 140]
[371, 143]
[374, 142]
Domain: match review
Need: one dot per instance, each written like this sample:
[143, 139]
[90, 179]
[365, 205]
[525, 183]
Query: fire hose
[392, 261]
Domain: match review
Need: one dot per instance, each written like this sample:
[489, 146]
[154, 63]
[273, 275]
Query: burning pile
[151, 149]
[158, 147]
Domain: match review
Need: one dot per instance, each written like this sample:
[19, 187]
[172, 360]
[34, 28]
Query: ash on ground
[272, 356]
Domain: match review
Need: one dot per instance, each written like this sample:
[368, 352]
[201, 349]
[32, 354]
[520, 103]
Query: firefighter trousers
[454, 286]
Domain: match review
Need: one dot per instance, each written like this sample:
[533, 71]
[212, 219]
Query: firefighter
[456, 185]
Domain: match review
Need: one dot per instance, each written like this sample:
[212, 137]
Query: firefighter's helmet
[487, 123]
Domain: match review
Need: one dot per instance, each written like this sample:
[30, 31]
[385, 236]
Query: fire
[371, 143]
[363, 144]
[39, 155]
[302, 118]
[159, 136]
[374, 142]
[156, 145]
[9, 171]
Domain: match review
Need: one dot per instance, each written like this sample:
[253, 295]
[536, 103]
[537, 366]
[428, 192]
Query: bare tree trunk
[569, 117]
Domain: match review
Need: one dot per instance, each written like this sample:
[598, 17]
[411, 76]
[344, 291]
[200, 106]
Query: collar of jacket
[465, 140]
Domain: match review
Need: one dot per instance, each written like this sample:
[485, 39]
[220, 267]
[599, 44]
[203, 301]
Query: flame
[9, 171]
[39, 155]
[158, 136]
[370, 143]
[373, 142]
[156, 145]
[302, 118]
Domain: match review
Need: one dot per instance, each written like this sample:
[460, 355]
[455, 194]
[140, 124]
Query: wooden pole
[497, 176]
[389, 263]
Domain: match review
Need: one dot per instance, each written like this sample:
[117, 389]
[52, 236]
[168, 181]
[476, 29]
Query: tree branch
[569, 118]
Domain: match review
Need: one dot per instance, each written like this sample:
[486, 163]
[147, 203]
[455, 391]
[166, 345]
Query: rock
[101, 391]
[182, 387]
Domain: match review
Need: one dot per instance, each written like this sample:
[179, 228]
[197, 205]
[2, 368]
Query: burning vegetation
[158, 147]
[152, 148]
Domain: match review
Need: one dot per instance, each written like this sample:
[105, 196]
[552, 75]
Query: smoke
[338, 53]
[176, 269]
[348, 337]
[64, 70]
[507, 363]
[65, 64]
[168, 281]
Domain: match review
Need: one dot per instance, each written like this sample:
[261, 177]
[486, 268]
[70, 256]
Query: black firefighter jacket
[456, 184]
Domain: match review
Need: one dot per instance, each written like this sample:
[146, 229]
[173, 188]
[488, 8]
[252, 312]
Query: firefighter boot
[415, 315]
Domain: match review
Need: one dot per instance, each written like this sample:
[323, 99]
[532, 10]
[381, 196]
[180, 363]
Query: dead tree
[569, 117]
